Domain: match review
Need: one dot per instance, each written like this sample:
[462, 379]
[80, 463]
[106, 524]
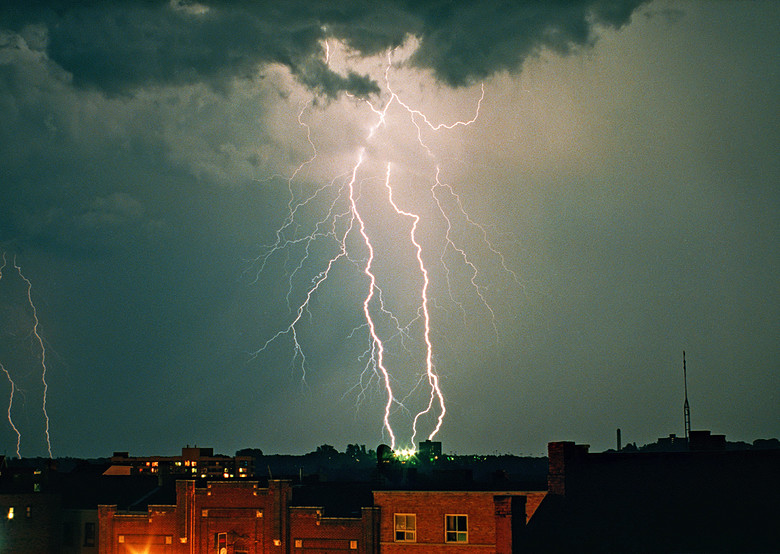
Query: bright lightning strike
[349, 230]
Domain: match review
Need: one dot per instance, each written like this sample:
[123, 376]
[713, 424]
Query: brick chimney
[565, 459]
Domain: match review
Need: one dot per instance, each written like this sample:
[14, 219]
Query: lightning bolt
[344, 225]
[10, 405]
[39, 340]
[37, 335]
[430, 373]
[13, 387]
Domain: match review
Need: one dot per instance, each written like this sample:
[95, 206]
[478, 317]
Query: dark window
[457, 528]
[89, 534]
[405, 528]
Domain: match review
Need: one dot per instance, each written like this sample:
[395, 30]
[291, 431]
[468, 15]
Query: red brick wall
[430, 508]
[254, 519]
[310, 533]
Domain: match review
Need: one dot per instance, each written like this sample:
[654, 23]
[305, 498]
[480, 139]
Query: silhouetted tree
[254, 452]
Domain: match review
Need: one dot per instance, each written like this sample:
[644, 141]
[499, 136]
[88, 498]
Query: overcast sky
[612, 201]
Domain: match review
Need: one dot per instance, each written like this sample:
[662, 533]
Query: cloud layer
[118, 46]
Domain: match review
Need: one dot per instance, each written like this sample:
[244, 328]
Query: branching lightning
[345, 226]
[34, 333]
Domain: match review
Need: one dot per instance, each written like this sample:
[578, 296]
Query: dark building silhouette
[708, 498]
[705, 500]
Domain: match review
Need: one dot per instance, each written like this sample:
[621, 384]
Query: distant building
[429, 451]
[193, 463]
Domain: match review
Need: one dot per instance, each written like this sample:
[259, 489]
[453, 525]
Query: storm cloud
[118, 46]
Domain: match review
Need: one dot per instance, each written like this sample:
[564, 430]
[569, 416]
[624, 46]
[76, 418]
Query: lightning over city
[280, 224]
[414, 401]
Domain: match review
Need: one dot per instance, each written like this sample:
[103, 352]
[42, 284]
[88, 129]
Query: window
[456, 528]
[89, 534]
[353, 545]
[405, 528]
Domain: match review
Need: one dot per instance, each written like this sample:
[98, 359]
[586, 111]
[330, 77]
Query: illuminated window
[353, 545]
[405, 527]
[457, 528]
[29, 511]
[298, 543]
[10, 513]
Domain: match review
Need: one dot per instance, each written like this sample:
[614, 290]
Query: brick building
[244, 518]
[240, 516]
[453, 521]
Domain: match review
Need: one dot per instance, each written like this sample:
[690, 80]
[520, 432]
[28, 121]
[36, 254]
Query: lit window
[405, 528]
[29, 511]
[10, 512]
[457, 528]
[353, 545]
[298, 543]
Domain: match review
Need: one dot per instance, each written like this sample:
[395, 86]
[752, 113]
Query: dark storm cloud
[120, 45]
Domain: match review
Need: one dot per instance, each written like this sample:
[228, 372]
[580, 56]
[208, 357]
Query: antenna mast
[686, 407]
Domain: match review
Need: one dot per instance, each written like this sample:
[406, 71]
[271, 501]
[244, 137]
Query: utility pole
[686, 407]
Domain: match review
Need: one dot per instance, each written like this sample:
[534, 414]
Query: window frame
[408, 535]
[456, 535]
[90, 534]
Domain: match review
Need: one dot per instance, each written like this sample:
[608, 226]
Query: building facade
[241, 517]
[453, 521]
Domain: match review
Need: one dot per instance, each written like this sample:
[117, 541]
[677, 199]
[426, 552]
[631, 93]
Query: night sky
[611, 201]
